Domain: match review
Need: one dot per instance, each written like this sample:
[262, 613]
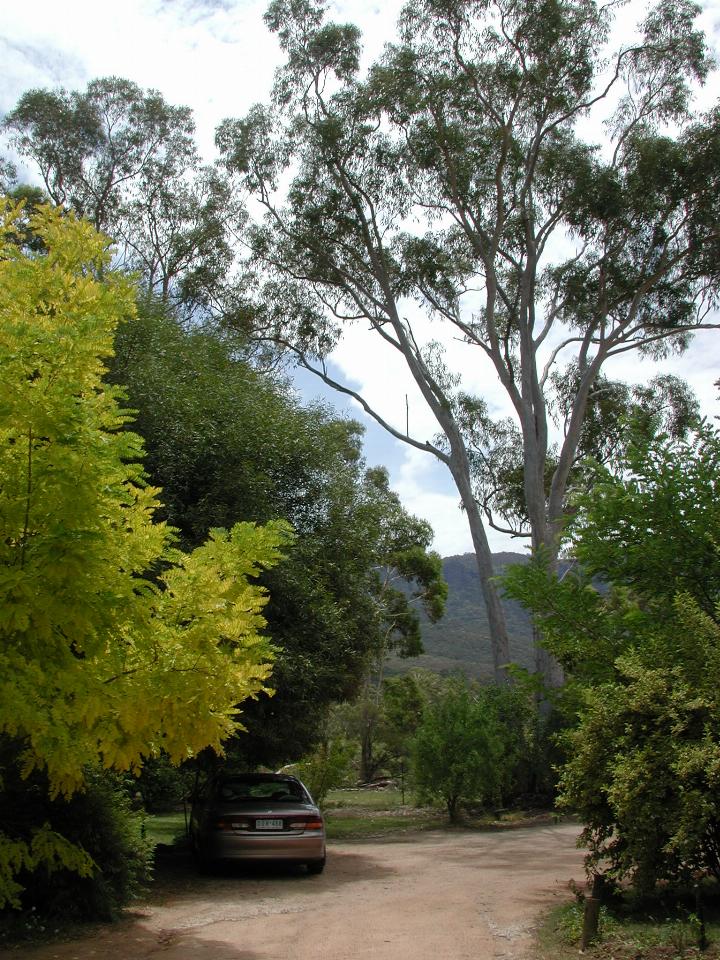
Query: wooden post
[700, 914]
[591, 916]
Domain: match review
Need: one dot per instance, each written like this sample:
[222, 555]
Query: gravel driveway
[438, 896]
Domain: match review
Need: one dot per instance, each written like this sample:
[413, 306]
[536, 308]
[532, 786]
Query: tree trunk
[546, 664]
[545, 537]
[367, 758]
[591, 915]
[497, 625]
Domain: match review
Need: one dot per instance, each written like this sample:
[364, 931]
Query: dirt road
[440, 896]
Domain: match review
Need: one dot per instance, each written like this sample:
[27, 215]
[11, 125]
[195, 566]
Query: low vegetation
[632, 929]
[166, 828]
[641, 658]
[636, 626]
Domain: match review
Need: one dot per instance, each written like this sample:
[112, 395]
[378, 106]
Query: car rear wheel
[316, 866]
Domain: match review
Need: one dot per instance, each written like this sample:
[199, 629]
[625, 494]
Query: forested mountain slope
[460, 640]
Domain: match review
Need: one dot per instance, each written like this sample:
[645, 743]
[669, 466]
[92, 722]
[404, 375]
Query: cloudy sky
[217, 57]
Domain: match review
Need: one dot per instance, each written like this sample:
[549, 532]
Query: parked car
[257, 817]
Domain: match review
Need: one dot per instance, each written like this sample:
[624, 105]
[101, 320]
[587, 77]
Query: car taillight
[309, 823]
[223, 823]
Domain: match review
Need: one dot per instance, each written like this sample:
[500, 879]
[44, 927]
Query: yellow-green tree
[113, 645]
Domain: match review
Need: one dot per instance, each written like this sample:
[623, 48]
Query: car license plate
[268, 824]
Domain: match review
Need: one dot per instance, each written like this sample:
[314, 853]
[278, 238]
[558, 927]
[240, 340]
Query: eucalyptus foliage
[126, 160]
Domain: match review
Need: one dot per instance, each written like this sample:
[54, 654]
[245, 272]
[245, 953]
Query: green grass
[365, 814]
[165, 827]
[350, 815]
[387, 799]
[366, 826]
[358, 815]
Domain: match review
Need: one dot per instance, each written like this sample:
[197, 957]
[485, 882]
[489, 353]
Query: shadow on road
[176, 875]
[255, 889]
[133, 939]
[399, 901]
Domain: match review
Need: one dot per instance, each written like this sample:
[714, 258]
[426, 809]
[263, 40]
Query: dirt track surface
[439, 896]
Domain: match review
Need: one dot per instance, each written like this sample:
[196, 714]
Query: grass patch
[165, 827]
[387, 798]
[366, 826]
[365, 814]
[654, 930]
[362, 813]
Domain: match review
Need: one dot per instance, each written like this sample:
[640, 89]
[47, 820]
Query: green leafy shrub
[465, 748]
[642, 657]
[100, 821]
[326, 768]
[163, 786]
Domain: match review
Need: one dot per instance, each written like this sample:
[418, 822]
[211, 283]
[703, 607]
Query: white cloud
[218, 58]
[416, 482]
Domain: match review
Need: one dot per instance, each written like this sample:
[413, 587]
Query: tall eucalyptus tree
[126, 160]
[454, 183]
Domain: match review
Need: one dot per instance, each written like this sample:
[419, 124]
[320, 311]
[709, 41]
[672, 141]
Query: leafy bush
[464, 749]
[100, 821]
[162, 785]
[642, 659]
[326, 768]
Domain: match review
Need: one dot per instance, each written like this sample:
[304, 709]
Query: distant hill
[460, 641]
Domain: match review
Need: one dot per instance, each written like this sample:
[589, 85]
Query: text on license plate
[268, 824]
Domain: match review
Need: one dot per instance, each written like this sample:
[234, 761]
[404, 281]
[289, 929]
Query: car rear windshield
[238, 789]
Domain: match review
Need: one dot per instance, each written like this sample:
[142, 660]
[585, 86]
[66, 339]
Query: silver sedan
[258, 817]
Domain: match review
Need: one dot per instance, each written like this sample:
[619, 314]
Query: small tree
[403, 702]
[409, 578]
[458, 753]
[388, 717]
[113, 645]
[327, 767]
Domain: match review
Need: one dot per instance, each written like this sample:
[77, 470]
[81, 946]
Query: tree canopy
[452, 188]
[226, 443]
[454, 193]
[114, 645]
[126, 160]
